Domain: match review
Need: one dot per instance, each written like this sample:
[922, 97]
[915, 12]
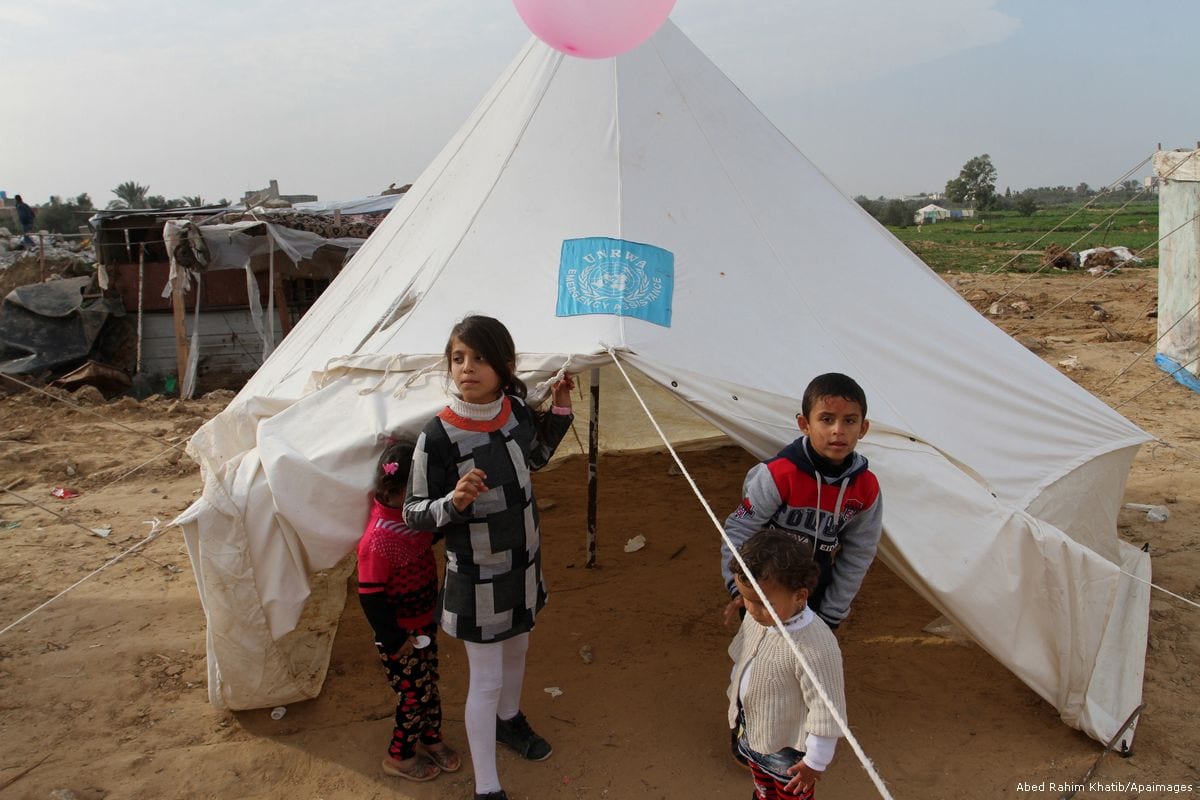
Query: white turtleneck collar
[476, 411]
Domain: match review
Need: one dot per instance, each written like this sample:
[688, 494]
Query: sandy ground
[103, 692]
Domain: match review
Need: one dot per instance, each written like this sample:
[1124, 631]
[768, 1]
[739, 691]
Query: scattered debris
[64, 493]
[553, 691]
[103, 532]
[1060, 257]
[278, 712]
[946, 629]
[1106, 257]
[1098, 312]
[93, 382]
[1016, 306]
[1070, 363]
[1153, 513]
[635, 544]
[585, 653]
[1031, 344]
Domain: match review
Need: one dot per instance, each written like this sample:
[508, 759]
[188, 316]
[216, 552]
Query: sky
[342, 99]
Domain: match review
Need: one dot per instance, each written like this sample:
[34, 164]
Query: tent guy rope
[1106, 190]
[867, 763]
[156, 531]
[1101, 276]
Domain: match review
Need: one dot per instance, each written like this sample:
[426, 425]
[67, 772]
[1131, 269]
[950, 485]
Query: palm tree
[131, 195]
[193, 200]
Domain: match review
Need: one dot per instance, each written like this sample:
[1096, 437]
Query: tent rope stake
[1107, 749]
[868, 765]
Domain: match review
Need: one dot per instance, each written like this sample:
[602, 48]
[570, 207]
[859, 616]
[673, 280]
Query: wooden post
[593, 458]
[141, 306]
[285, 316]
[181, 342]
[42, 255]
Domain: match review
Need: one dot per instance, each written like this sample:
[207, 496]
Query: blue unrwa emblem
[599, 275]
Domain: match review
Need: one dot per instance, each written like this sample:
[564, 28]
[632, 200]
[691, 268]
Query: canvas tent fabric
[1003, 478]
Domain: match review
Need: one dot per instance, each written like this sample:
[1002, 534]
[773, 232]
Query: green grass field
[1006, 235]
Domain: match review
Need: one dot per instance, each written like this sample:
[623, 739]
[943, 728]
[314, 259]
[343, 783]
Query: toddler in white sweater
[785, 732]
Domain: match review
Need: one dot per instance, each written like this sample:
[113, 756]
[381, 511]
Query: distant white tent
[930, 213]
[1002, 478]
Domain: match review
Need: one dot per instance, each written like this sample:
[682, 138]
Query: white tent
[930, 213]
[1002, 478]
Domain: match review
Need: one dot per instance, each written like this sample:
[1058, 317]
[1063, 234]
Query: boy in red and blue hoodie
[820, 491]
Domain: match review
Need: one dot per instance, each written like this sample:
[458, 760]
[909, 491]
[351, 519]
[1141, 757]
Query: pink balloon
[594, 28]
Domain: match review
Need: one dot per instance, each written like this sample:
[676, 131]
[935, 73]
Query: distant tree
[130, 194]
[1083, 190]
[193, 200]
[1026, 205]
[897, 213]
[1129, 185]
[872, 207]
[59, 217]
[975, 184]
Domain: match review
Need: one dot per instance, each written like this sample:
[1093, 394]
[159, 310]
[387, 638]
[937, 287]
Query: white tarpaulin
[1003, 478]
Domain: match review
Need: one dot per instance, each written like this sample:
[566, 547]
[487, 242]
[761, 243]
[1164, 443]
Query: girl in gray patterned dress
[470, 480]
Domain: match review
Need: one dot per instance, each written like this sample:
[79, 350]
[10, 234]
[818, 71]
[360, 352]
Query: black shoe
[500, 795]
[517, 734]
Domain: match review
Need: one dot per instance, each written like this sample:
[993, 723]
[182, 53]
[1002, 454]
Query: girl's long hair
[488, 337]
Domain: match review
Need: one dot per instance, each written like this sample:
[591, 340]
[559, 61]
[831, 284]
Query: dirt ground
[103, 692]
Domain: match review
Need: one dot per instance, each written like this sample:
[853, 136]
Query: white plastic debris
[278, 712]
[104, 532]
[635, 544]
[1070, 362]
[553, 691]
[1153, 513]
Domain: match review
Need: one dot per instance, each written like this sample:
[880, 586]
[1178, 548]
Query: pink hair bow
[391, 467]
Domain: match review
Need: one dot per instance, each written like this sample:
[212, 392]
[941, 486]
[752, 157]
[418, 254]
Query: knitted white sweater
[781, 704]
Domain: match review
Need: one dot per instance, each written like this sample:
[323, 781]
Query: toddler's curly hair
[775, 555]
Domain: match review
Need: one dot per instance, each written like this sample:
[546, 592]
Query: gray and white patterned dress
[493, 586]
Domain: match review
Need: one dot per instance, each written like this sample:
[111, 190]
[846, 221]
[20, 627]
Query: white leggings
[497, 670]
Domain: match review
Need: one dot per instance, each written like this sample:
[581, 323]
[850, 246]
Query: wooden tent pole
[593, 458]
[181, 342]
[285, 314]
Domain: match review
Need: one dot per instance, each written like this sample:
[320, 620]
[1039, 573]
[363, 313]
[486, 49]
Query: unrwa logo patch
[599, 275]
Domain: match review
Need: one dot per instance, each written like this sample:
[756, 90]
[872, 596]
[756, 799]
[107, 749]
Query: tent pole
[181, 342]
[285, 314]
[593, 454]
[141, 306]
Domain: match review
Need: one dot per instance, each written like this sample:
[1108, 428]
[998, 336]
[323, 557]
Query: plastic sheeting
[1003, 477]
[50, 325]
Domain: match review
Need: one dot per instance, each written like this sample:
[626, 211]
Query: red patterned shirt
[396, 565]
